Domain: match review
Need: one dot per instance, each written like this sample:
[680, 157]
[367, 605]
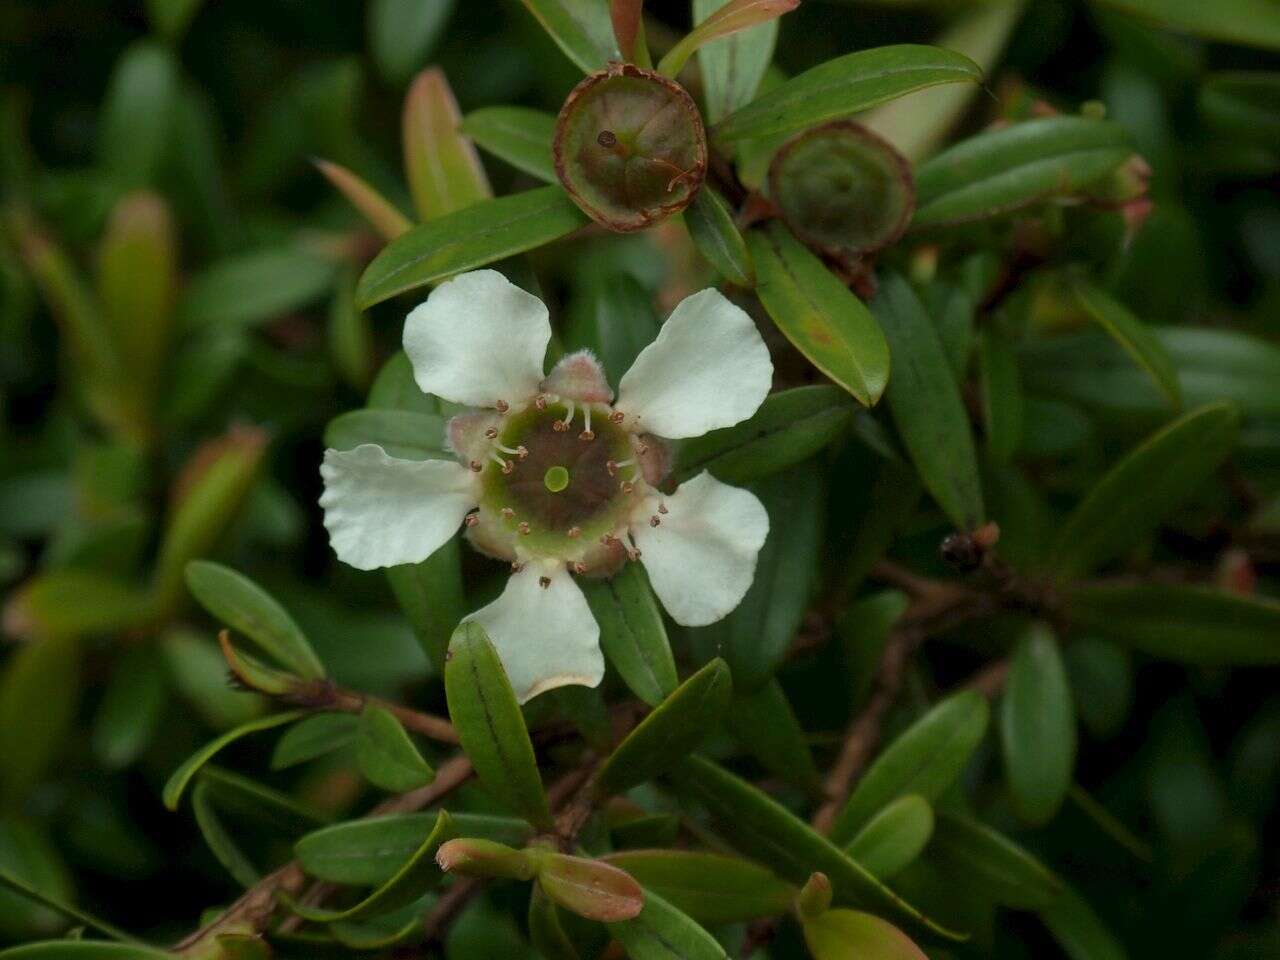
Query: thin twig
[324, 695]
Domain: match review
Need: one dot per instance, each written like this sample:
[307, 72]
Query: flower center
[556, 478]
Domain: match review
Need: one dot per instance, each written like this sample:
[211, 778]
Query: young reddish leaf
[732, 17]
[442, 166]
[628, 29]
[373, 206]
[590, 888]
[853, 935]
[475, 857]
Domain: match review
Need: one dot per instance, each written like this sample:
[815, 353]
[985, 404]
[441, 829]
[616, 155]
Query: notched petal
[579, 376]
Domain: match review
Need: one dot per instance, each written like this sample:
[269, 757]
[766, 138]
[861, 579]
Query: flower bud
[630, 147]
[842, 188]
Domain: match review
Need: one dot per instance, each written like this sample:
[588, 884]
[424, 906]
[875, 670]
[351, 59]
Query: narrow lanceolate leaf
[402, 34]
[1144, 488]
[628, 28]
[818, 313]
[789, 428]
[221, 841]
[710, 223]
[83, 950]
[733, 66]
[662, 932]
[178, 781]
[846, 85]
[590, 888]
[401, 433]
[29, 893]
[853, 935]
[249, 610]
[442, 166]
[373, 206]
[990, 860]
[894, 837]
[1255, 23]
[490, 726]
[1001, 395]
[581, 28]
[727, 19]
[766, 726]
[925, 759]
[709, 887]
[251, 288]
[468, 239]
[1078, 930]
[314, 737]
[1038, 727]
[418, 874]
[632, 633]
[371, 850]
[1182, 623]
[926, 404]
[1243, 104]
[519, 135]
[547, 929]
[138, 114]
[675, 727]
[1011, 167]
[386, 755]
[1133, 336]
[762, 828]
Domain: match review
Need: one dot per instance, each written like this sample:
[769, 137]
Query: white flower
[535, 490]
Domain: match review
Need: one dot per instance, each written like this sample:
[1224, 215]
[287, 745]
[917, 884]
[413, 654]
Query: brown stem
[990, 680]
[324, 695]
[450, 904]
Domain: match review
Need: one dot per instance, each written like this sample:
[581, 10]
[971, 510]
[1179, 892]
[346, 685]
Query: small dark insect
[961, 552]
[607, 138]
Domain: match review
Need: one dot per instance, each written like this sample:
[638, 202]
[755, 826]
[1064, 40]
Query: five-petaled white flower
[533, 489]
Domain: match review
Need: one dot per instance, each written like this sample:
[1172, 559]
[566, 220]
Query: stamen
[507, 465]
[519, 452]
[613, 466]
[516, 566]
[471, 519]
[633, 552]
[609, 540]
[544, 582]
[586, 416]
[560, 426]
[654, 520]
[574, 533]
[540, 402]
[476, 466]
[662, 507]
[508, 513]
[617, 416]
[502, 406]
[627, 486]
[522, 528]
[579, 567]
[492, 433]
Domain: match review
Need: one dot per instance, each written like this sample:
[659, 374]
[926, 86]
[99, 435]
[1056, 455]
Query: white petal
[546, 636]
[381, 511]
[707, 369]
[701, 558]
[478, 339]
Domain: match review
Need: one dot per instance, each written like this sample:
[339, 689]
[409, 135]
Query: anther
[626, 486]
[507, 466]
[522, 528]
[544, 582]
[617, 416]
[654, 520]
[519, 452]
[567, 422]
[540, 402]
[471, 519]
[492, 433]
[508, 513]
[609, 540]
[579, 567]
[476, 466]
[516, 566]
[586, 434]
[502, 406]
[574, 533]
[662, 507]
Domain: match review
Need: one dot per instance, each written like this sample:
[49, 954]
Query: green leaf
[710, 223]
[724, 21]
[170, 17]
[371, 850]
[1102, 684]
[1183, 623]
[546, 929]
[894, 837]
[30, 892]
[39, 694]
[763, 828]
[418, 875]
[519, 135]
[219, 839]
[662, 932]
[247, 289]
[925, 759]
[755, 636]
[1001, 386]
[386, 755]
[83, 950]
[316, 736]
[990, 860]
[1144, 488]
[444, 171]
[846, 85]
[1078, 930]
[852, 935]
[177, 783]
[1133, 336]
[137, 114]
[401, 433]
[927, 406]
[131, 708]
[1243, 104]
[632, 633]
[248, 609]
[819, 314]
[467, 239]
[69, 602]
[249, 801]
[590, 888]
[676, 726]
[733, 66]
[864, 630]
[490, 726]
[1038, 727]
[709, 887]
[764, 723]
[1255, 23]
[349, 333]
[614, 318]
[198, 671]
[789, 428]
[581, 28]
[431, 595]
[402, 34]
[1011, 167]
